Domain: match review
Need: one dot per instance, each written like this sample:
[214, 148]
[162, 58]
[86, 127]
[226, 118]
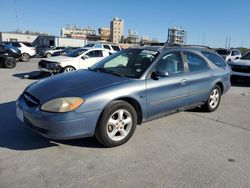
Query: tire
[116, 124]
[25, 57]
[68, 69]
[229, 61]
[48, 55]
[10, 63]
[213, 100]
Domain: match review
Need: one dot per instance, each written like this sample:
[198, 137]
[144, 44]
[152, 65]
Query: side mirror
[237, 58]
[85, 57]
[162, 73]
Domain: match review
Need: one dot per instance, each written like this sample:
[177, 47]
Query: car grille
[43, 64]
[30, 100]
[239, 68]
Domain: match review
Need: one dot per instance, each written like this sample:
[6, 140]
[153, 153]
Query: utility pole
[229, 43]
[17, 21]
[226, 43]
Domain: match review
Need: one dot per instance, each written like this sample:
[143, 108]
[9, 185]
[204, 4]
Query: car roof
[161, 47]
[89, 48]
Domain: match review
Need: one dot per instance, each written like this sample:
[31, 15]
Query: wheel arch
[220, 84]
[133, 102]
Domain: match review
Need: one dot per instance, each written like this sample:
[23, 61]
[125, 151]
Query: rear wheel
[10, 63]
[117, 124]
[25, 57]
[68, 69]
[48, 55]
[213, 101]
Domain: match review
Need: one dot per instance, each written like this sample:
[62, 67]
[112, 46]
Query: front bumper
[58, 126]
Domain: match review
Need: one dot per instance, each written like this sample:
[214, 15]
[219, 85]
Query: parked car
[241, 67]
[8, 51]
[81, 58]
[54, 51]
[7, 62]
[27, 50]
[123, 90]
[229, 54]
[108, 46]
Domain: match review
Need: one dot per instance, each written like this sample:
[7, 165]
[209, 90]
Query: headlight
[65, 104]
[52, 65]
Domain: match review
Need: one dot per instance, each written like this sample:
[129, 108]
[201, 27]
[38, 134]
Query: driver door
[168, 91]
[90, 58]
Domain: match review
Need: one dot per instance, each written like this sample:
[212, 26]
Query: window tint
[235, 52]
[195, 62]
[17, 45]
[116, 48]
[95, 53]
[27, 44]
[217, 60]
[170, 63]
[106, 47]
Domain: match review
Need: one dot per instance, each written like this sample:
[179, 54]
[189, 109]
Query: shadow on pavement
[34, 75]
[16, 136]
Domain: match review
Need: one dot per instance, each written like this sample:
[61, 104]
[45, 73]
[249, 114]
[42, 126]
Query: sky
[207, 22]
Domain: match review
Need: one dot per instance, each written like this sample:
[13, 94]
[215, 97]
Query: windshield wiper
[107, 71]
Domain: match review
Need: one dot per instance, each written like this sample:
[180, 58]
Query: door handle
[211, 75]
[184, 81]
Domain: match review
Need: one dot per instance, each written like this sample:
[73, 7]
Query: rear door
[199, 77]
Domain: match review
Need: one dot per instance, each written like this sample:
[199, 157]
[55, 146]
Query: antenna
[17, 21]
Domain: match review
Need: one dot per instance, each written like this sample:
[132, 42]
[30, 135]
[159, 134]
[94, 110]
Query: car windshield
[77, 52]
[223, 52]
[126, 63]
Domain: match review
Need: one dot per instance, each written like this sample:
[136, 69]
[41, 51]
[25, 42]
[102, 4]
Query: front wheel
[68, 69]
[213, 100]
[117, 124]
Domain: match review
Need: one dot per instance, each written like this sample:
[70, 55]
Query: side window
[95, 53]
[106, 47]
[17, 45]
[170, 63]
[217, 60]
[115, 48]
[195, 62]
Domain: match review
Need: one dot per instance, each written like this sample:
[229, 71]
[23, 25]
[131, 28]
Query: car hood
[58, 59]
[73, 84]
[241, 62]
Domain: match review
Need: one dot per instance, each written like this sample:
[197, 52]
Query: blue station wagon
[132, 86]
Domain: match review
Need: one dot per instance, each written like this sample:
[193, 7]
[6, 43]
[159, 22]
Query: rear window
[223, 52]
[116, 48]
[17, 45]
[217, 60]
[27, 44]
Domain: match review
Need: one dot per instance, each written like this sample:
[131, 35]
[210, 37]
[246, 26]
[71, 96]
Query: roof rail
[201, 46]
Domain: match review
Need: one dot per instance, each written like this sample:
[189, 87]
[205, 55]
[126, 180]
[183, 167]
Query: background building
[104, 33]
[176, 36]
[116, 30]
[26, 36]
[72, 31]
[132, 37]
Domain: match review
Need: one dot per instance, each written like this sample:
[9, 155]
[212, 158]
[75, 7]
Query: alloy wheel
[119, 125]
